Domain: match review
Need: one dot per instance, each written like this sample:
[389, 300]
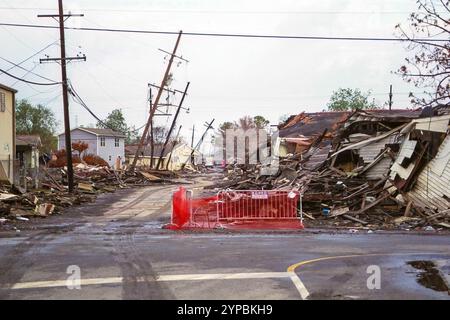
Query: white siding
[107, 152]
[110, 152]
[433, 184]
[80, 135]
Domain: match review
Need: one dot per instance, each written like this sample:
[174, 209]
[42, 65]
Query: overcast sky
[230, 77]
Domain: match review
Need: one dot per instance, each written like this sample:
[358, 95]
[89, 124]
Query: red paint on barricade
[252, 209]
[191, 213]
[180, 210]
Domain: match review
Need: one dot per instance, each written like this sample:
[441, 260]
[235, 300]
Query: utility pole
[174, 143]
[172, 126]
[61, 17]
[155, 105]
[390, 98]
[208, 126]
[192, 142]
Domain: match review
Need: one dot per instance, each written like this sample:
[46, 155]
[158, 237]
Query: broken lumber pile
[90, 181]
[334, 198]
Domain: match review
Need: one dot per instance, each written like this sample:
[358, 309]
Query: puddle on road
[429, 276]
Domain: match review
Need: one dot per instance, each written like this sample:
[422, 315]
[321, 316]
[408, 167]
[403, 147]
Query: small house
[105, 143]
[27, 151]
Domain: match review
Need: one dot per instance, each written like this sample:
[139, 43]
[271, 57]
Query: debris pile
[382, 169]
[19, 204]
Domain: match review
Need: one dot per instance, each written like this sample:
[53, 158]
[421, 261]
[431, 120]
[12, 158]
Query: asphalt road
[119, 250]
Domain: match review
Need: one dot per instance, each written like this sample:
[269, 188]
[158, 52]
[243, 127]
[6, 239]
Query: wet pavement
[120, 251]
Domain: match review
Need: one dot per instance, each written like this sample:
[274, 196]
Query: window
[102, 141]
[117, 142]
[2, 102]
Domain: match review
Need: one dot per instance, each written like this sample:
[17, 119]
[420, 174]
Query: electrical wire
[80, 101]
[235, 35]
[32, 56]
[29, 82]
[121, 10]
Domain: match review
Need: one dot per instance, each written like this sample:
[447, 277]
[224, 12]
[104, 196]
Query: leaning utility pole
[63, 60]
[155, 105]
[390, 98]
[172, 126]
[208, 126]
[192, 142]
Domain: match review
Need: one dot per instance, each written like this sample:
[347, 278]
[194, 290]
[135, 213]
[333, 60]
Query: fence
[257, 205]
[236, 206]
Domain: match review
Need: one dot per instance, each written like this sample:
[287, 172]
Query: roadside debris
[18, 204]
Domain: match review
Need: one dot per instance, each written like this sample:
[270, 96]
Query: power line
[29, 82]
[15, 65]
[32, 56]
[231, 35]
[80, 101]
[220, 12]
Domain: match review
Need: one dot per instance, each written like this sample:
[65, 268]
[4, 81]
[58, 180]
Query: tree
[245, 123]
[37, 120]
[428, 67]
[80, 146]
[116, 121]
[350, 99]
[224, 127]
[260, 122]
[160, 134]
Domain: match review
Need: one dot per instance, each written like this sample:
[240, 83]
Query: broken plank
[354, 219]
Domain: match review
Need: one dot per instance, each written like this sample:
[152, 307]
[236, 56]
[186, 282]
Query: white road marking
[304, 293]
[224, 276]
[162, 278]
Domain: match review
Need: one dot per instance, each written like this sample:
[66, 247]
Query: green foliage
[260, 122]
[350, 99]
[116, 121]
[37, 120]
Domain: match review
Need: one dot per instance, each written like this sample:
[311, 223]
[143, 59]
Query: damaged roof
[312, 124]
[397, 115]
[28, 140]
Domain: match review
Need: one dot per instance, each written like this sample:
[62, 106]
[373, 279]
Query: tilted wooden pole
[199, 143]
[155, 105]
[172, 127]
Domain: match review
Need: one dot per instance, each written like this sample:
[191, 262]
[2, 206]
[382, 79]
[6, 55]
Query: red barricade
[188, 212]
[257, 205]
[267, 208]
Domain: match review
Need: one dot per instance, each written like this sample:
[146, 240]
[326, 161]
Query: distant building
[105, 143]
[7, 133]
[27, 151]
[172, 160]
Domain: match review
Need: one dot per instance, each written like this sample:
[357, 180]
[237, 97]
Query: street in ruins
[225, 150]
[123, 253]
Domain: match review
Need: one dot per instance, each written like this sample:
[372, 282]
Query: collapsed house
[421, 172]
[368, 141]
[369, 168]
[311, 132]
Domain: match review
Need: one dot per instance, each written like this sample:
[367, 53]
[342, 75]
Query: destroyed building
[367, 142]
[370, 168]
